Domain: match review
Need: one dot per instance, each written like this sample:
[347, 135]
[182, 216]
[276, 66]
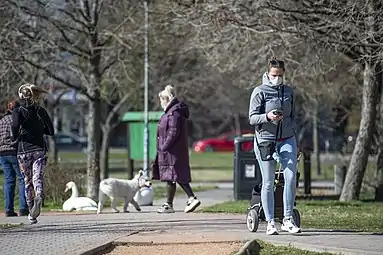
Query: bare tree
[125, 85]
[379, 164]
[52, 103]
[89, 32]
[353, 28]
[209, 76]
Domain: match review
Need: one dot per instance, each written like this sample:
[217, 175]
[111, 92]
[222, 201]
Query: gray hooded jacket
[268, 97]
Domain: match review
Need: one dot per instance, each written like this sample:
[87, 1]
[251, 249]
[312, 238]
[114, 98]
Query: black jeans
[171, 191]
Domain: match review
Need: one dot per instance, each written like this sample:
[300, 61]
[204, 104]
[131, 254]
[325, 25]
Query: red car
[222, 143]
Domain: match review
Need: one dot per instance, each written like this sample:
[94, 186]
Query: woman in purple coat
[172, 160]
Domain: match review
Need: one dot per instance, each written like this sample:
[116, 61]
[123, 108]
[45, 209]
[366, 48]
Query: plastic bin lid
[244, 138]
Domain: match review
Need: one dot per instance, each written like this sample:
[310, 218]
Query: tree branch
[81, 89]
[56, 101]
[112, 114]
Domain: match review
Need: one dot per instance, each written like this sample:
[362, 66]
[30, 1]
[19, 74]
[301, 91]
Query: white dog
[117, 188]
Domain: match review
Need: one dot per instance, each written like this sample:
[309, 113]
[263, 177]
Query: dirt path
[185, 249]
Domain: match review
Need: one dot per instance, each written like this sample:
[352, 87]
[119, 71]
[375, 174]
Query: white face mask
[276, 81]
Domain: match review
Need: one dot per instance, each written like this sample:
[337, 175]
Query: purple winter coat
[172, 159]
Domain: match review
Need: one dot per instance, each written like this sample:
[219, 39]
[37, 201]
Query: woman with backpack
[30, 123]
[271, 111]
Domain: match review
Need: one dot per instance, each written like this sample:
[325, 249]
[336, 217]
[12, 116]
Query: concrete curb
[122, 243]
[100, 249]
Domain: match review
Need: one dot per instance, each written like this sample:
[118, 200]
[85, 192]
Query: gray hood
[266, 81]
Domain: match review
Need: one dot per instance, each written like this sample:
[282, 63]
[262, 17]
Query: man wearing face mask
[271, 111]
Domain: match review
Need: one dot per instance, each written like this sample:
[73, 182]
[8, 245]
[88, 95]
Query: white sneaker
[192, 204]
[31, 219]
[271, 228]
[165, 208]
[289, 225]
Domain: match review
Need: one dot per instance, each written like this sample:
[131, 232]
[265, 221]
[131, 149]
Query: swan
[78, 203]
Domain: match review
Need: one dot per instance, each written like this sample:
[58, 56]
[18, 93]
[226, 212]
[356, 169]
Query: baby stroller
[255, 212]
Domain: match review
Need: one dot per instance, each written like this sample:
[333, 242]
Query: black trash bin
[246, 169]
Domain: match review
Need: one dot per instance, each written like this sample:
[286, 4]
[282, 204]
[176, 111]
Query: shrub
[56, 176]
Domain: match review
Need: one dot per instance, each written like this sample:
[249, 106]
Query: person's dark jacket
[7, 146]
[30, 124]
[172, 160]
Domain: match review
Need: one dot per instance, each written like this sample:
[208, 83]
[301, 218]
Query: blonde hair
[168, 93]
[31, 92]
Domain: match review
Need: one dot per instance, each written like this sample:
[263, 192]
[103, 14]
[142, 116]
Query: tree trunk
[379, 173]
[94, 137]
[94, 118]
[53, 153]
[379, 164]
[316, 138]
[104, 157]
[359, 159]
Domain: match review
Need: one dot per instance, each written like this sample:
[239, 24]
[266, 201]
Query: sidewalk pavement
[78, 233]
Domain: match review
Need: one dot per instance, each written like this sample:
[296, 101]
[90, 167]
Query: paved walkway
[75, 234]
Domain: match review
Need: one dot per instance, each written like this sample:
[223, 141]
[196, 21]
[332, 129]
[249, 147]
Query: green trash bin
[246, 169]
[135, 130]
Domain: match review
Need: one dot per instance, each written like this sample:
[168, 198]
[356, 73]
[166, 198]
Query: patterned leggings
[32, 166]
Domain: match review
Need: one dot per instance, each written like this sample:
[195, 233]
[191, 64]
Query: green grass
[206, 167]
[327, 170]
[81, 155]
[270, 249]
[209, 166]
[324, 214]
[201, 161]
[212, 161]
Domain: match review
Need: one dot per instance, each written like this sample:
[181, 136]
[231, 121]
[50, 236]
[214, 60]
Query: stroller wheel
[252, 220]
[297, 217]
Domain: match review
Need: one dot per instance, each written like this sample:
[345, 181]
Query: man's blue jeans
[11, 170]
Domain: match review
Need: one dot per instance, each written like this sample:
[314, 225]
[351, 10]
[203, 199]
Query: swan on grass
[78, 203]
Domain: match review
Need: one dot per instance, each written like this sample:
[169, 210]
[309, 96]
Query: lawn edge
[320, 248]
[253, 247]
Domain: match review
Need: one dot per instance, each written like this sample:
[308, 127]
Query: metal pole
[146, 98]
